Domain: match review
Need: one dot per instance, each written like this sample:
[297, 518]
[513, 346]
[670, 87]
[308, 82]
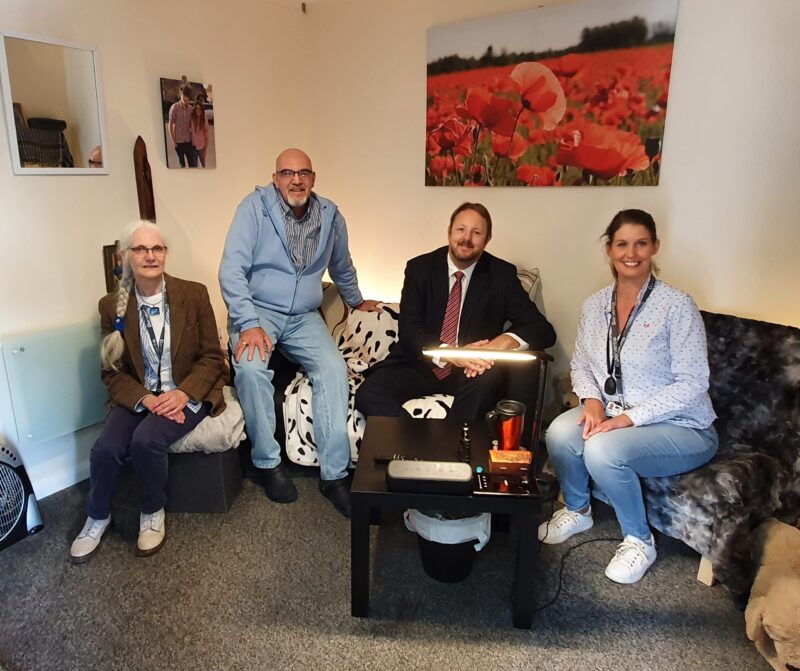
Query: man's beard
[297, 202]
[464, 252]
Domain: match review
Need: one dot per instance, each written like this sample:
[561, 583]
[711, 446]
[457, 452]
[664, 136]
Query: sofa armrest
[720, 504]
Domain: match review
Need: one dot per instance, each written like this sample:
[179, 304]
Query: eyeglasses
[141, 250]
[289, 174]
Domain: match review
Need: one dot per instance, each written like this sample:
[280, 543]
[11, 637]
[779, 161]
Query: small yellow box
[510, 462]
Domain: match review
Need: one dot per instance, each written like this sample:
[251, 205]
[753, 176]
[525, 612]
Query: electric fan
[19, 512]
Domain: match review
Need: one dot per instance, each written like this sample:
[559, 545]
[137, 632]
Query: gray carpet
[267, 587]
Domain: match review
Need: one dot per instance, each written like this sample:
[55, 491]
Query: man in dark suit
[459, 295]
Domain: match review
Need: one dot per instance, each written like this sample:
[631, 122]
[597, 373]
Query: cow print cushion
[364, 339]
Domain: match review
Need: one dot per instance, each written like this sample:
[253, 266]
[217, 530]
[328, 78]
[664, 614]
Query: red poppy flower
[492, 112]
[439, 166]
[541, 93]
[513, 147]
[534, 175]
[453, 135]
[604, 152]
[567, 66]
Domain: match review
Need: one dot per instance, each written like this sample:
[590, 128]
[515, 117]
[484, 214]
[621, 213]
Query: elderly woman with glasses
[164, 370]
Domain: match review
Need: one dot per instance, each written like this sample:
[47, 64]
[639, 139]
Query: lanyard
[159, 346]
[616, 340]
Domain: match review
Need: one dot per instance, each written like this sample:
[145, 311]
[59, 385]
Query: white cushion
[216, 434]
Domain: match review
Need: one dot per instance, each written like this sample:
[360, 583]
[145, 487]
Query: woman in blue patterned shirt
[640, 368]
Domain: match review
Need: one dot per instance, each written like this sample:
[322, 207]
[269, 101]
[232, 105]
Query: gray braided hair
[113, 345]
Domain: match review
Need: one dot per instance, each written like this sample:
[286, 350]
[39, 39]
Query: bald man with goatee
[283, 238]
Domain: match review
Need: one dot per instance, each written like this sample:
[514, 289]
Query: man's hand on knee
[251, 340]
[476, 366]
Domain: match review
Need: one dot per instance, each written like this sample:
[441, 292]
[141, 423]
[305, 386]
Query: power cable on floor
[563, 560]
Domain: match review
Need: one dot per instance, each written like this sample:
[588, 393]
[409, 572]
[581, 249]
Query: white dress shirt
[451, 280]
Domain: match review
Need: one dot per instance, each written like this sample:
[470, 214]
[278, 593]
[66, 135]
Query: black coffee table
[435, 440]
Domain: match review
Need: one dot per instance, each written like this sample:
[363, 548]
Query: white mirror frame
[9, 109]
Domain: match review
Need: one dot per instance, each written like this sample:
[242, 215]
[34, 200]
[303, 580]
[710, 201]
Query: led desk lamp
[512, 356]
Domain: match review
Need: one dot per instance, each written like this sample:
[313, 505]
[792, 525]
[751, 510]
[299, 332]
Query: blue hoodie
[257, 269]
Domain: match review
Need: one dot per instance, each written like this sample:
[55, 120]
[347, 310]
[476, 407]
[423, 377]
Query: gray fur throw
[755, 389]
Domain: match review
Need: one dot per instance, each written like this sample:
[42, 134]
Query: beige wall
[52, 228]
[347, 80]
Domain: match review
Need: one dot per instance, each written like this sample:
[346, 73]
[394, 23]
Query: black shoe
[338, 493]
[277, 484]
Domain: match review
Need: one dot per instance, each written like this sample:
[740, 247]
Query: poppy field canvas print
[573, 94]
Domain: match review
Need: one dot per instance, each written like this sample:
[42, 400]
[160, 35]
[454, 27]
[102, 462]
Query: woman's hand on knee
[593, 415]
[149, 402]
[169, 403]
[618, 422]
[178, 416]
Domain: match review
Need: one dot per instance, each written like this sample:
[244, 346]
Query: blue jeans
[617, 459]
[306, 340]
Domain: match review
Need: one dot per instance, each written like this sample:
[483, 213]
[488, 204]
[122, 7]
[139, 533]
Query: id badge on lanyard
[614, 343]
[158, 347]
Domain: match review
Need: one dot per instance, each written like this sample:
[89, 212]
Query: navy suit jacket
[494, 296]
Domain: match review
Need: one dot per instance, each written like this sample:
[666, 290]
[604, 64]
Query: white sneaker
[152, 533]
[88, 540]
[563, 524]
[631, 561]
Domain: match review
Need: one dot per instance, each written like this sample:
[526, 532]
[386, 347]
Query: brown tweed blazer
[198, 363]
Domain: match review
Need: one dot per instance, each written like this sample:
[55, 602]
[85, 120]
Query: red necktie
[450, 323]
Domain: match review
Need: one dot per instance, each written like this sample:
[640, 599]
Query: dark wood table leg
[359, 559]
[375, 518]
[524, 528]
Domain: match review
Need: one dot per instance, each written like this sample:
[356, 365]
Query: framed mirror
[53, 103]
